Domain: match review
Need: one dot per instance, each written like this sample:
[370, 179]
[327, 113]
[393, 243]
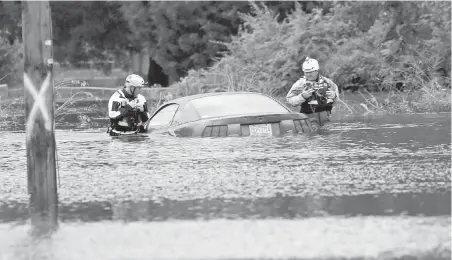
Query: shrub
[259, 58]
[266, 55]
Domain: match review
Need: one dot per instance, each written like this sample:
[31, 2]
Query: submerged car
[222, 114]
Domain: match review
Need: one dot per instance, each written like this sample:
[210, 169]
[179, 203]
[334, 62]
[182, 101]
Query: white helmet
[134, 80]
[310, 65]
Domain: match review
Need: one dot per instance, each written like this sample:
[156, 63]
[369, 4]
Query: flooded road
[361, 187]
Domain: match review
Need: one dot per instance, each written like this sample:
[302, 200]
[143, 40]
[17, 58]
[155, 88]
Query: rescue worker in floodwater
[315, 93]
[128, 109]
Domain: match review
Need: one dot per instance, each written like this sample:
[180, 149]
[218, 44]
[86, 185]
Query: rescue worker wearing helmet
[314, 92]
[128, 109]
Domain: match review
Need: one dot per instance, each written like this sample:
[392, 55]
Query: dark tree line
[179, 36]
[184, 35]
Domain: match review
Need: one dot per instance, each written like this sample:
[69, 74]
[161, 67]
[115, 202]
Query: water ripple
[357, 172]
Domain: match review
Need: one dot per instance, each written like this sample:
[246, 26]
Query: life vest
[318, 102]
[132, 120]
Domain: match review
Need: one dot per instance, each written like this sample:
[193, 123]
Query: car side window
[164, 116]
[186, 114]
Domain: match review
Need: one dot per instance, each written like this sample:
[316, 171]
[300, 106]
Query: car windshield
[238, 104]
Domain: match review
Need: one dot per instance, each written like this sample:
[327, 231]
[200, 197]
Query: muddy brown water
[362, 187]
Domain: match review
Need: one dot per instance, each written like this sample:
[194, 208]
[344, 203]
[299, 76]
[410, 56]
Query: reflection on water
[289, 207]
[379, 184]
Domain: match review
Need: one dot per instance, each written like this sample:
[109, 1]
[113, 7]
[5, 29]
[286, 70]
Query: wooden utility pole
[39, 115]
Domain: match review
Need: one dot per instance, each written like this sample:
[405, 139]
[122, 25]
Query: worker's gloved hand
[331, 94]
[139, 106]
[307, 93]
[131, 105]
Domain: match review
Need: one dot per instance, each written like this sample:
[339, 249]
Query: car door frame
[156, 112]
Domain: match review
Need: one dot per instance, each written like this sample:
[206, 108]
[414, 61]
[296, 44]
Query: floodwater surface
[363, 187]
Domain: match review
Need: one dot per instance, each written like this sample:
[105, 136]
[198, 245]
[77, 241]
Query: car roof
[184, 100]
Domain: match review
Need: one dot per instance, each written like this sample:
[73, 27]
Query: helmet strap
[318, 76]
[128, 91]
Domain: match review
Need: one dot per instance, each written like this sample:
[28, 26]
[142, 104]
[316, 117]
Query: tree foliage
[182, 35]
[10, 48]
[375, 41]
[381, 43]
[10, 21]
[11, 68]
[82, 31]
[89, 31]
